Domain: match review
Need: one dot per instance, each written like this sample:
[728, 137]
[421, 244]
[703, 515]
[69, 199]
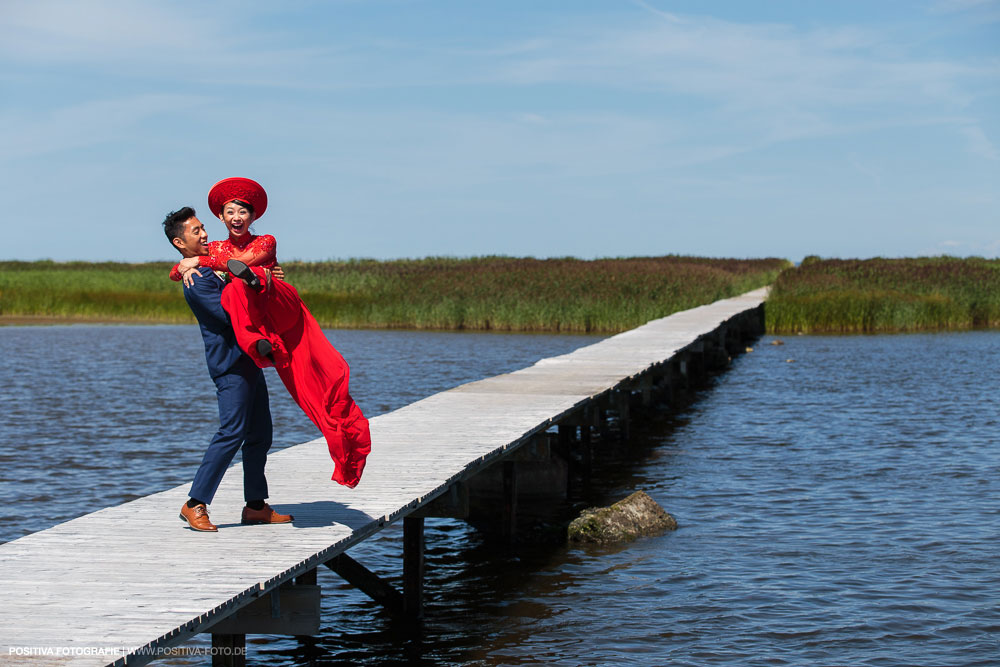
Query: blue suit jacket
[205, 299]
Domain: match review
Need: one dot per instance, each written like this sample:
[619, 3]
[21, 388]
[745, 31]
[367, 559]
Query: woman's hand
[276, 272]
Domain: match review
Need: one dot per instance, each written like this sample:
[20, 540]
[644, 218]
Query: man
[244, 412]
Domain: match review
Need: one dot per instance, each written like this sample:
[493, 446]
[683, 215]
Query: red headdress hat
[242, 189]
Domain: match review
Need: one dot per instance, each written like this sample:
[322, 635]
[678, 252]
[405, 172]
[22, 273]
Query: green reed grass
[885, 295]
[484, 293]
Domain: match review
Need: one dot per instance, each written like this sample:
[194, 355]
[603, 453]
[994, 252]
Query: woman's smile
[237, 218]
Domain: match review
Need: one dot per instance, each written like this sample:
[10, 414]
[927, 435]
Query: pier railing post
[413, 568]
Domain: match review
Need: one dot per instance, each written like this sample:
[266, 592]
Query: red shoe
[197, 518]
[264, 515]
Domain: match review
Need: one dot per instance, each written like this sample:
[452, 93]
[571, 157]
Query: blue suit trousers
[244, 421]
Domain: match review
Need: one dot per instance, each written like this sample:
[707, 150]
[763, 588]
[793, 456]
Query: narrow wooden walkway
[132, 580]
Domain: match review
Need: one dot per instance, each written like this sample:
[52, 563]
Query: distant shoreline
[524, 295]
[37, 320]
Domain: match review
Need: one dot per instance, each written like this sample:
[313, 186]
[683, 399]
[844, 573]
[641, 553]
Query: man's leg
[235, 392]
[257, 444]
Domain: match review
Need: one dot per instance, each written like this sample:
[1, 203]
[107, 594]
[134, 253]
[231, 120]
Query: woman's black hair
[244, 204]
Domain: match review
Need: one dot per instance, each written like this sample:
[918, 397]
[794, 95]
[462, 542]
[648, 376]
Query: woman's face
[237, 218]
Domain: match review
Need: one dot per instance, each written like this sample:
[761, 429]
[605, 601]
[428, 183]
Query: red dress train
[312, 370]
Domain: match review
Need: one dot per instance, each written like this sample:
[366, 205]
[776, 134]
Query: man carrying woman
[274, 327]
[244, 411]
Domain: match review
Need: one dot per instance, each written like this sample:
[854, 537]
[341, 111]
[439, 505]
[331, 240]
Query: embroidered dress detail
[254, 251]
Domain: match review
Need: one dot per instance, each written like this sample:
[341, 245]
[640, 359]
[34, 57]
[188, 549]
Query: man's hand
[278, 272]
[187, 267]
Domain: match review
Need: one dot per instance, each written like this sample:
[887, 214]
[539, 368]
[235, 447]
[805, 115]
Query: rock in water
[624, 521]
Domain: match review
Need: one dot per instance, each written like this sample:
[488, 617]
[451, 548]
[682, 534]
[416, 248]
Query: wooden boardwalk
[125, 582]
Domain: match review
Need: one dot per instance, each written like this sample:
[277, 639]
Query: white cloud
[978, 143]
[54, 30]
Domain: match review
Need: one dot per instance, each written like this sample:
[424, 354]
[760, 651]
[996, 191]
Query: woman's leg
[262, 315]
[318, 379]
[312, 370]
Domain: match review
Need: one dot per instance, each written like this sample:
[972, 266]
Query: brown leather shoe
[197, 518]
[264, 515]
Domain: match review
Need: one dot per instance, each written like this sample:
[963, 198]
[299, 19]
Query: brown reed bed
[484, 293]
[885, 295]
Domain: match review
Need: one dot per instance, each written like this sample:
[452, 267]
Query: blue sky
[408, 128]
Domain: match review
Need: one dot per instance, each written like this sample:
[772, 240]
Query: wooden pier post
[586, 442]
[601, 417]
[413, 568]
[229, 650]
[509, 519]
[622, 400]
[646, 388]
[307, 578]
[567, 433]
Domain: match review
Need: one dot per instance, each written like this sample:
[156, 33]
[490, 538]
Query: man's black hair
[173, 224]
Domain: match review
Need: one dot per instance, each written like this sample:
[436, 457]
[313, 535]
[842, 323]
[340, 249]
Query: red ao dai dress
[313, 372]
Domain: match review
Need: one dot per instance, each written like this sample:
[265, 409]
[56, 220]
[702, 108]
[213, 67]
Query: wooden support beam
[308, 578]
[567, 434]
[413, 567]
[537, 449]
[287, 610]
[667, 382]
[601, 417]
[622, 398]
[229, 650]
[452, 504]
[646, 388]
[368, 583]
[586, 443]
[509, 519]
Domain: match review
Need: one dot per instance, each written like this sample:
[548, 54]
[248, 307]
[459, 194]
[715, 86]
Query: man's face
[237, 218]
[194, 240]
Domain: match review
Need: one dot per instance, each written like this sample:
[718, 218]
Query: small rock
[749, 349]
[789, 361]
[777, 341]
[624, 521]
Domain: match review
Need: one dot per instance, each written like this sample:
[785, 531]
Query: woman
[274, 327]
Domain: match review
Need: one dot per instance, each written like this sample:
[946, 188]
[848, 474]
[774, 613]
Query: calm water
[840, 508]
